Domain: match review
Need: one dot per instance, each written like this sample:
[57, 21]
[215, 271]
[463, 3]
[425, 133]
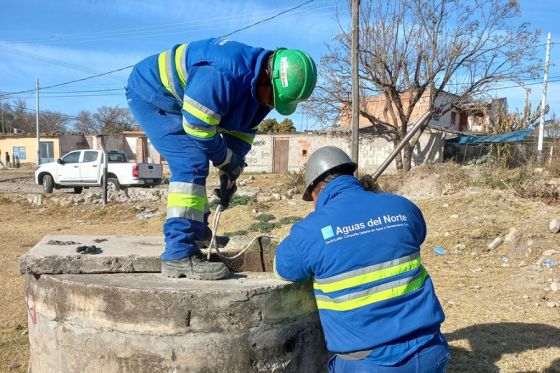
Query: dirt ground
[502, 305]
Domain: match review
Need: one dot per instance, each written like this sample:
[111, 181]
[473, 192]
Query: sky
[65, 40]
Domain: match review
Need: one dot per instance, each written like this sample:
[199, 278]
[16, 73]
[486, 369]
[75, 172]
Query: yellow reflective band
[203, 133]
[368, 277]
[165, 73]
[197, 113]
[375, 297]
[163, 70]
[187, 200]
[248, 138]
[179, 60]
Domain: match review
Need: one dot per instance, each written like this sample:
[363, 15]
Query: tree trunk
[407, 158]
[398, 158]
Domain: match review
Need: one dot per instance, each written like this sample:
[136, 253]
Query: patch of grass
[265, 218]
[297, 179]
[454, 177]
[290, 220]
[241, 232]
[263, 227]
[235, 201]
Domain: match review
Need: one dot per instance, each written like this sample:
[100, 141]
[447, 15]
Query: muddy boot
[195, 267]
[222, 241]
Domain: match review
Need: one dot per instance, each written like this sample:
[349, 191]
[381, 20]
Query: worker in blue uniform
[376, 302]
[202, 102]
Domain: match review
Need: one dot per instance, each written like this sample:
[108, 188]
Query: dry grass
[497, 318]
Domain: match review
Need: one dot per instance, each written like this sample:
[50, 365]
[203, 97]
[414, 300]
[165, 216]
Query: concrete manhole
[143, 322]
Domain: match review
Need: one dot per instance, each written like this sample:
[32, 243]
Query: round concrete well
[143, 322]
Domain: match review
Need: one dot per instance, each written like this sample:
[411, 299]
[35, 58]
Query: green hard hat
[293, 78]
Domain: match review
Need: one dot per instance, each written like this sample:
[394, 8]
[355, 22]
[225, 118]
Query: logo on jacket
[327, 232]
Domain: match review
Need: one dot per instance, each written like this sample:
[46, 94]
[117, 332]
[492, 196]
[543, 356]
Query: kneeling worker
[377, 303]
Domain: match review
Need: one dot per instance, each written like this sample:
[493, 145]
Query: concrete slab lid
[56, 254]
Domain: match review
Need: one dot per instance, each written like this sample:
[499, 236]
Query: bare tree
[442, 51]
[113, 120]
[107, 120]
[85, 123]
[21, 117]
[53, 122]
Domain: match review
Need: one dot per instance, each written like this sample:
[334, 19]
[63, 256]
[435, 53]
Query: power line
[169, 28]
[267, 19]
[69, 82]
[130, 66]
[48, 60]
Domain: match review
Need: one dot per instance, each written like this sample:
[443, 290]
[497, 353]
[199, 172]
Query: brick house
[468, 117]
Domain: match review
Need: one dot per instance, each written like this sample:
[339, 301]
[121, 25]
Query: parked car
[84, 168]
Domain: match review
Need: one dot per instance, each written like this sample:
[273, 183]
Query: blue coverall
[196, 102]
[377, 303]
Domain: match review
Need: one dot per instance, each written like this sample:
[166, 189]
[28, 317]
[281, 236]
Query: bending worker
[201, 102]
[377, 303]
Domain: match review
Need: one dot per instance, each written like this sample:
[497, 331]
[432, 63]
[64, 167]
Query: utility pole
[37, 122]
[543, 104]
[2, 116]
[355, 81]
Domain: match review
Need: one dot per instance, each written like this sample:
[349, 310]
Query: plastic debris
[549, 263]
[495, 243]
[438, 250]
[554, 226]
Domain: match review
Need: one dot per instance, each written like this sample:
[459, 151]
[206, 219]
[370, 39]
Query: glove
[232, 166]
[226, 191]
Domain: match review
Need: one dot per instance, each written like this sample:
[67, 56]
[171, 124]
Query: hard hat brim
[284, 108]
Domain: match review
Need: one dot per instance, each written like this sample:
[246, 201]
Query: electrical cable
[174, 26]
[130, 66]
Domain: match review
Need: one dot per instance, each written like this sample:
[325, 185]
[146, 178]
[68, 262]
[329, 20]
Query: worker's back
[363, 251]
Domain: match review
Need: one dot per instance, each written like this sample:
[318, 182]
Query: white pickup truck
[84, 168]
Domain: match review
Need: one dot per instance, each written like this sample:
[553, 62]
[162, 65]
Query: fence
[509, 154]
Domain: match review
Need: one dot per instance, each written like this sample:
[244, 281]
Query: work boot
[204, 243]
[195, 267]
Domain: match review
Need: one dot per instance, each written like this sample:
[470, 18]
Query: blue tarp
[517, 136]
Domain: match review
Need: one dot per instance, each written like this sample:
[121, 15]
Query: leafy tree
[268, 125]
[272, 126]
[445, 52]
[286, 126]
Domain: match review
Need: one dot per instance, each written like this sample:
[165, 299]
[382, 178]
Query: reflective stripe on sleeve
[199, 131]
[201, 112]
[166, 72]
[180, 63]
[368, 274]
[244, 136]
[375, 294]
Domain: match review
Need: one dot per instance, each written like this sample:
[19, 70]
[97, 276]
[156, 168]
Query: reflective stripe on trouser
[187, 203]
[187, 200]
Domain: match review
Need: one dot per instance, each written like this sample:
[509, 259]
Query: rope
[214, 245]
